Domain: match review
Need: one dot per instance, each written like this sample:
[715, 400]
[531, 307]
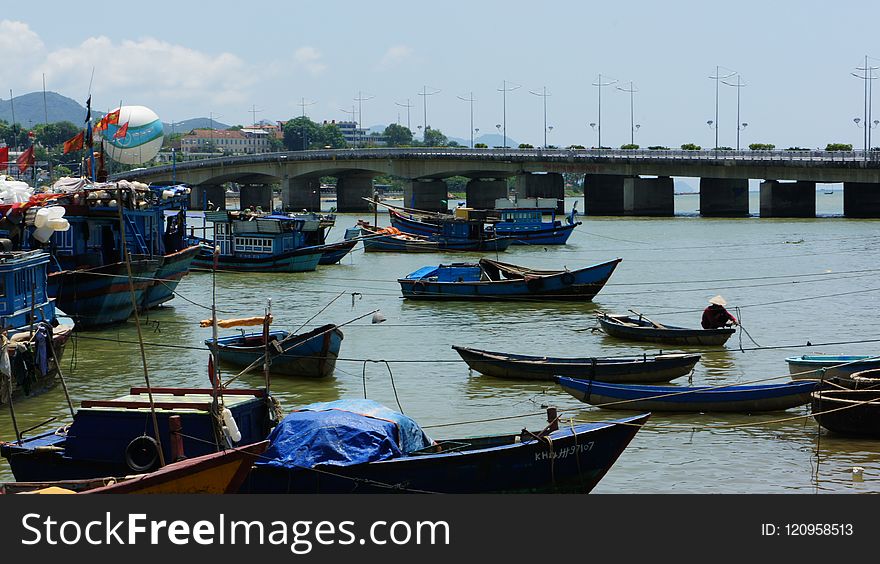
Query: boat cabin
[23, 293]
[247, 235]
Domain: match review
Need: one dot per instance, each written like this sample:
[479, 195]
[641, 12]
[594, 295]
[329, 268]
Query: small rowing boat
[641, 329]
[824, 366]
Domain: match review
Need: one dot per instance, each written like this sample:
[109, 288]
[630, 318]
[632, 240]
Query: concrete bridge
[617, 182]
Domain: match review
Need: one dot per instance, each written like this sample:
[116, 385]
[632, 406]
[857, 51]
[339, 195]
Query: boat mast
[137, 321]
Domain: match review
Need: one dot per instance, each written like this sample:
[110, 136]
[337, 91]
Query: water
[671, 267]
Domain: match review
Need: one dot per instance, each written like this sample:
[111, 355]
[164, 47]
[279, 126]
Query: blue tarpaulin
[342, 433]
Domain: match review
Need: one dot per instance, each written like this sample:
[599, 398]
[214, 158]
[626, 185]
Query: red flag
[75, 143]
[121, 132]
[4, 158]
[26, 159]
[101, 125]
[112, 118]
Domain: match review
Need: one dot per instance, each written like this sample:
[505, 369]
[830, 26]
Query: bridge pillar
[428, 195]
[203, 193]
[254, 196]
[603, 194]
[350, 191]
[550, 185]
[788, 199]
[724, 197]
[648, 196]
[482, 192]
[299, 194]
[861, 199]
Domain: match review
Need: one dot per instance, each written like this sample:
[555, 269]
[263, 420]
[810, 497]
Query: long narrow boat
[848, 412]
[493, 280]
[823, 366]
[382, 455]
[655, 368]
[639, 329]
[461, 239]
[216, 473]
[309, 355]
[741, 399]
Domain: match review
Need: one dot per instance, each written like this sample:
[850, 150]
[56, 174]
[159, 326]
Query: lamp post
[353, 114]
[867, 74]
[548, 130]
[211, 116]
[503, 142]
[504, 90]
[718, 78]
[360, 99]
[543, 94]
[302, 104]
[599, 84]
[407, 106]
[476, 131]
[632, 120]
[592, 125]
[471, 99]
[739, 86]
[424, 94]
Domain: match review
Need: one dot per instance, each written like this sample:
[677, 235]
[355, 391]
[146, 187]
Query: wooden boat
[215, 473]
[656, 368]
[115, 437]
[309, 355]
[742, 399]
[640, 329]
[316, 238]
[823, 366]
[252, 242]
[848, 412]
[28, 317]
[456, 237]
[572, 458]
[493, 280]
[523, 220]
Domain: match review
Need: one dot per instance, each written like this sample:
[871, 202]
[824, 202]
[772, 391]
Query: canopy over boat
[342, 433]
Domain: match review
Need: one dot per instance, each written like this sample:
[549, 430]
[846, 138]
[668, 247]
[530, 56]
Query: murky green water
[671, 267]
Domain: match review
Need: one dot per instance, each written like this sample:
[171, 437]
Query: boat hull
[60, 335]
[578, 285]
[172, 268]
[668, 335]
[848, 412]
[818, 367]
[101, 296]
[295, 261]
[332, 253]
[573, 460]
[397, 244]
[739, 399]
[660, 368]
[310, 355]
[544, 234]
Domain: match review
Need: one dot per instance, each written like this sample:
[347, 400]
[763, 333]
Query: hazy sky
[186, 59]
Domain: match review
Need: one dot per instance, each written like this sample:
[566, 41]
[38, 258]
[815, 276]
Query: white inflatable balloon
[141, 141]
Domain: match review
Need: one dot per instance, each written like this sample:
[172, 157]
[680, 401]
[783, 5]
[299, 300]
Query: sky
[239, 60]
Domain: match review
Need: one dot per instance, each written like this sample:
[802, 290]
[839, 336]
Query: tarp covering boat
[342, 433]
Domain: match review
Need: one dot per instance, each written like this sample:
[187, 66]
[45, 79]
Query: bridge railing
[721, 157]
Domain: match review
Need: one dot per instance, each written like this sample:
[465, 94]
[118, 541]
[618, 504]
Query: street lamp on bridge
[867, 74]
[739, 86]
[543, 94]
[504, 90]
[470, 99]
[424, 94]
[632, 120]
[599, 84]
[718, 78]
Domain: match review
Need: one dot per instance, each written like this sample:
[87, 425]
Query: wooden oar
[654, 323]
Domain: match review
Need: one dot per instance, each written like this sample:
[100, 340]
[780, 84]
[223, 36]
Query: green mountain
[30, 109]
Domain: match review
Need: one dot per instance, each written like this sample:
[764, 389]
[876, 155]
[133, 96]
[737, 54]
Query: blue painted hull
[573, 460]
[310, 355]
[100, 296]
[293, 261]
[742, 399]
[582, 284]
[829, 366]
[172, 269]
[545, 233]
[332, 253]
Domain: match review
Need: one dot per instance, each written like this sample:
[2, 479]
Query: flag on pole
[89, 109]
[26, 159]
[122, 131]
[102, 124]
[75, 143]
[112, 118]
[4, 158]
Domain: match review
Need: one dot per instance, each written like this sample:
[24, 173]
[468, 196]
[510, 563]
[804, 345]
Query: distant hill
[188, 125]
[30, 110]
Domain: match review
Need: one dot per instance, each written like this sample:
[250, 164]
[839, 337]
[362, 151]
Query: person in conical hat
[715, 316]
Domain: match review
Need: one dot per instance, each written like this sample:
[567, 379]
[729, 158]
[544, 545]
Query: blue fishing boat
[493, 280]
[455, 236]
[90, 279]
[115, 437]
[309, 355]
[315, 232]
[824, 366]
[531, 221]
[250, 242]
[358, 446]
[34, 339]
[742, 399]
